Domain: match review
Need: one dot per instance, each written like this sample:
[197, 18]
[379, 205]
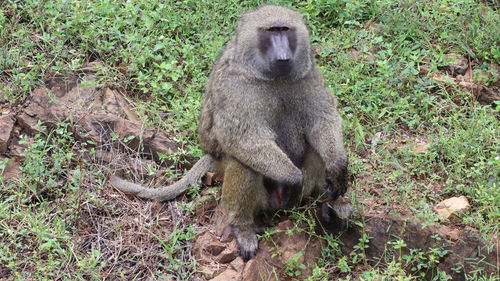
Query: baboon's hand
[336, 177]
[296, 178]
[335, 215]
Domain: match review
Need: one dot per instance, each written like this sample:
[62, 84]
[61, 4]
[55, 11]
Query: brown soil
[127, 227]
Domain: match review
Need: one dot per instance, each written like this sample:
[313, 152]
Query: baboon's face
[277, 45]
[273, 42]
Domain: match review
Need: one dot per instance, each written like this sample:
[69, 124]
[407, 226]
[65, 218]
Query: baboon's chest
[286, 120]
[291, 137]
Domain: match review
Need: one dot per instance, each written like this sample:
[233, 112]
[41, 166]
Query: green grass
[161, 52]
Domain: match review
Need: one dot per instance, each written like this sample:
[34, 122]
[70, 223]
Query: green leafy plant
[293, 267]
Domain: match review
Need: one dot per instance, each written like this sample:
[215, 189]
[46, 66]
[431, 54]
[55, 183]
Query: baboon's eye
[278, 28]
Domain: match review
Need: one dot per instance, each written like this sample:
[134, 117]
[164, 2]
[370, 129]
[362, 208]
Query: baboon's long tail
[169, 192]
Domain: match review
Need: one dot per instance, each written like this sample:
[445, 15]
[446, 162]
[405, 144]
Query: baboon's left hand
[335, 215]
[336, 177]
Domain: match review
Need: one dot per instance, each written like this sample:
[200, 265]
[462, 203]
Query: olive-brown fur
[262, 128]
[258, 125]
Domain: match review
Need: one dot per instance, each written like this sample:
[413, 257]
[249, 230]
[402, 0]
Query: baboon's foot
[247, 240]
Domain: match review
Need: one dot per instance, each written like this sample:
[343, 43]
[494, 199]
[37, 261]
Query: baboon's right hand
[296, 178]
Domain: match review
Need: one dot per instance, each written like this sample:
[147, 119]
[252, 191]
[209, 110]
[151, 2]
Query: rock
[6, 126]
[11, 169]
[488, 96]
[226, 234]
[457, 64]
[451, 205]
[214, 247]
[265, 266]
[97, 114]
[229, 253]
[288, 243]
[444, 79]
[212, 255]
[354, 53]
[211, 270]
[458, 245]
[469, 86]
[207, 246]
[485, 95]
[238, 263]
[204, 207]
[365, 56]
[258, 269]
[463, 246]
[221, 224]
[448, 232]
[228, 275]
[17, 149]
[292, 243]
[91, 67]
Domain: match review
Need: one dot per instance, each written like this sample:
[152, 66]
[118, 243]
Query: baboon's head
[273, 41]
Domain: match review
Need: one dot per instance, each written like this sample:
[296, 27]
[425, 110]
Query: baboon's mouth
[281, 68]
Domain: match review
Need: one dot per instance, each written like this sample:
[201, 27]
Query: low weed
[412, 140]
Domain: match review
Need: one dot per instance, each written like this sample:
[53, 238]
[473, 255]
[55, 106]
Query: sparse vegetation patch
[418, 85]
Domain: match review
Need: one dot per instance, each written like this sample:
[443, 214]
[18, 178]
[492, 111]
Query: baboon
[268, 124]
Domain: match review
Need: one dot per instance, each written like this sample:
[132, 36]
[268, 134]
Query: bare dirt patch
[468, 75]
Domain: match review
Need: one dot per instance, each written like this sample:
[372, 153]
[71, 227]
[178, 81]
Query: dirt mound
[99, 115]
[290, 253]
[95, 113]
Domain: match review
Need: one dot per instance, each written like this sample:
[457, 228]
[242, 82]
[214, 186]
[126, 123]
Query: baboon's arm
[324, 130]
[242, 131]
[266, 158]
[325, 136]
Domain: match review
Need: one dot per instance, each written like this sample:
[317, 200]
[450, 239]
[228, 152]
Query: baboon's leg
[243, 196]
